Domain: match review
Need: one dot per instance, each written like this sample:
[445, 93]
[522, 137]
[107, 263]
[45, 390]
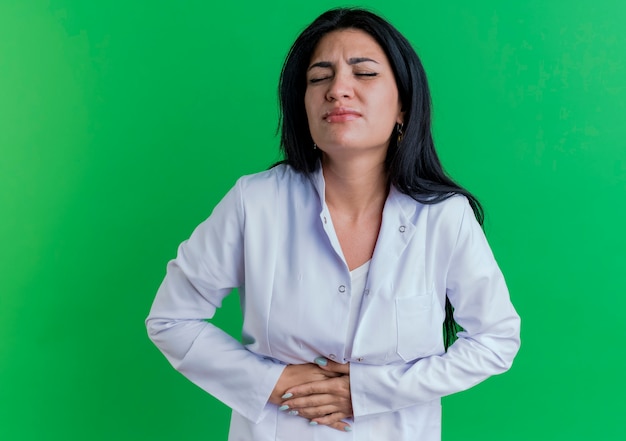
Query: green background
[122, 123]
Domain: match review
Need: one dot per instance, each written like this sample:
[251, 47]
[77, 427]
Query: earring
[314, 146]
[399, 127]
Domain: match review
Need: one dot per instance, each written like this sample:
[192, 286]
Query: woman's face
[351, 99]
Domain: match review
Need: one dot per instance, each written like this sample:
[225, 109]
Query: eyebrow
[351, 62]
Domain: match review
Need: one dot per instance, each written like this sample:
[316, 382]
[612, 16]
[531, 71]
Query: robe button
[324, 219]
[402, 228]
[366, 292]
[360, 359]
[342, 288]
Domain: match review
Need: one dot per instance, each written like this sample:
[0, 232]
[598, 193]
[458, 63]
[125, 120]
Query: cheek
[395, 106]
[394, 101]
[310, 109]
[307, 105]
[310, 98]
[388, 118]
[387, 97]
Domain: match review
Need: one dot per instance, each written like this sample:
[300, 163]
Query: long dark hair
[412, 164]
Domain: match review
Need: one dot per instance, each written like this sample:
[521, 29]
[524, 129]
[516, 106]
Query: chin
[354, 148]
[345, 141]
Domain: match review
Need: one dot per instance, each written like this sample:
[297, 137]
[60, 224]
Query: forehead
[348, 43]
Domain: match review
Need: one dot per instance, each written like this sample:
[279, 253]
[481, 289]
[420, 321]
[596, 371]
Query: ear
[400, 118]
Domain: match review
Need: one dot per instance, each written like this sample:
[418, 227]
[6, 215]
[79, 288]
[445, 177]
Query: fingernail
[283, 407]
[321, 361]
[313, 423]
[287, 395]
[293, 412]
[347, 429]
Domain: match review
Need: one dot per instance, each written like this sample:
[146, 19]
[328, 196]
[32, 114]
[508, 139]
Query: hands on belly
[319, 392]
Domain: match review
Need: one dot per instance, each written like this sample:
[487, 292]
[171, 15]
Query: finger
[341, 426]
[332, 366]
[319, 406]
[295, 375]
[339, 386]
[334, 421]
[317, 400]
[314, 412]
[307, 388]
[314, 400]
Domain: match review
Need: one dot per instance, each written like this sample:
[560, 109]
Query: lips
[341, 114]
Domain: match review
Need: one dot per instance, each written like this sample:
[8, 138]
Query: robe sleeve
[490, 340]
[207, 267]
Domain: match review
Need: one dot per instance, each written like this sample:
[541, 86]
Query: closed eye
[317, 80]
[358, 74]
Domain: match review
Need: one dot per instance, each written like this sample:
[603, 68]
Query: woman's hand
[326, 401]
[296, 375]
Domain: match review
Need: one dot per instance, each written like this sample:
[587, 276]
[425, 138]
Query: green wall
[123, 122]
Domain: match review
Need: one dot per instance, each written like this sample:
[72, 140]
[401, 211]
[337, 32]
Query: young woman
[349, 256]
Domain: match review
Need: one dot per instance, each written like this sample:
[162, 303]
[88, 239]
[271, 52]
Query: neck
[355, 188]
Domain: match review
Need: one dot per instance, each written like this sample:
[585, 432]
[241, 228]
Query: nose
[340, 87]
